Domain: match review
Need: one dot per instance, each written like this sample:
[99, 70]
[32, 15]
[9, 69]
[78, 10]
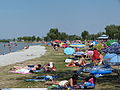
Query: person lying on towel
[28, 67]
[89, 82]
[80, 63]
[65, 83]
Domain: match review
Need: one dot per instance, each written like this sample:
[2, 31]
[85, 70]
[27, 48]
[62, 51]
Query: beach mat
[42, 78]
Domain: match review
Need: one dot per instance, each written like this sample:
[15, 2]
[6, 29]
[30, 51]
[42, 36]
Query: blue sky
[36, 17]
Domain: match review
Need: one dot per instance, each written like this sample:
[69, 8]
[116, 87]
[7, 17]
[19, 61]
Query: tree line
[29, 38]
[113, 31]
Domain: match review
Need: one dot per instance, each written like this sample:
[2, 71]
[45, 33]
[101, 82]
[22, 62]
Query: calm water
[13, 47]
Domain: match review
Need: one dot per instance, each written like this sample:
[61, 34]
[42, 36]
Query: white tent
[103, 37]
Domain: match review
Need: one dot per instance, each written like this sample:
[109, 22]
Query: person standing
[101, 58]
[95, 56]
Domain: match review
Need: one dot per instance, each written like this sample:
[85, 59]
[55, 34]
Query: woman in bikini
[81, 62]
[64, 83]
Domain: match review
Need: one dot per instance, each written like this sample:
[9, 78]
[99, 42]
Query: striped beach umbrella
[78, 45]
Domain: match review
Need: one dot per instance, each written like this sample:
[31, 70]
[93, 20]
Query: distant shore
[22, 55]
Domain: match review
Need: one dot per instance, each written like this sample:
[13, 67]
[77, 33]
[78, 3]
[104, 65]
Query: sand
[22, 55]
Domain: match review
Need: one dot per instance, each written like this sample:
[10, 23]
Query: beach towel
[88, 85]
[42, 78]
[38, 71]
[21, 71]
[34, 80]
[53, 87]
[90, 53]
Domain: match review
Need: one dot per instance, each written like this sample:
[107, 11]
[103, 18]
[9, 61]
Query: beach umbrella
[57, 41]
[77, 40]
[64, 45]
[61, 44]
[115, 60]
[115, 48]
[98, 46]
[110, 42]
[95, 43]
[109, 56]
[48, 43]
[78, 45]
[69, 51]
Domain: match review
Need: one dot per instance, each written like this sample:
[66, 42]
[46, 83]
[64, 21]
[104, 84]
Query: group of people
[97, 59]
[32, 68]
[10, 45]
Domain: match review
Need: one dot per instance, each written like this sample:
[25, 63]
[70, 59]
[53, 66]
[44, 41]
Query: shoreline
[22, 55]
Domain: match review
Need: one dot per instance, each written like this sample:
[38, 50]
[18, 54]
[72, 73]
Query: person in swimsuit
[81, 62]
[101, 58]
[65, 83]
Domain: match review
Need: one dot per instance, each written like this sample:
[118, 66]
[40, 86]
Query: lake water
[13, 47]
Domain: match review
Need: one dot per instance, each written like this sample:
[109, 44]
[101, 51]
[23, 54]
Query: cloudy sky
[36, 17]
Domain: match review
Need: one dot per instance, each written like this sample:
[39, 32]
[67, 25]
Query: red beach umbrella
[56, 41]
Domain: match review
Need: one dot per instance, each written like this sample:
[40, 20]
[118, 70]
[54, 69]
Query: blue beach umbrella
[69, 51]
[115, 60]
[115, 48]
[95, 43]
[48, 43]
[109, 56]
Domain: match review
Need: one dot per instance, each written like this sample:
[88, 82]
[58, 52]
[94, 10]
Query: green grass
[12, 80]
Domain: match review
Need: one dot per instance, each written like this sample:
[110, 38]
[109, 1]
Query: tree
[33, 38]
[38, 39]
[63, 36]
[53, 34]
[113, 31]
[85, 35]
[73, 37]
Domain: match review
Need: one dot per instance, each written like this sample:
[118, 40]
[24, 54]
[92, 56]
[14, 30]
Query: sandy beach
[22, 55]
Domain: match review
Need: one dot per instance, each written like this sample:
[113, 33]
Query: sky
[36, 17]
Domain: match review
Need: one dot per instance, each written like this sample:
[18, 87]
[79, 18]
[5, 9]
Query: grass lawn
[12, 80]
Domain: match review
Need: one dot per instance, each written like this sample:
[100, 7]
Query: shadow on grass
[111, 80]
[64, 75]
